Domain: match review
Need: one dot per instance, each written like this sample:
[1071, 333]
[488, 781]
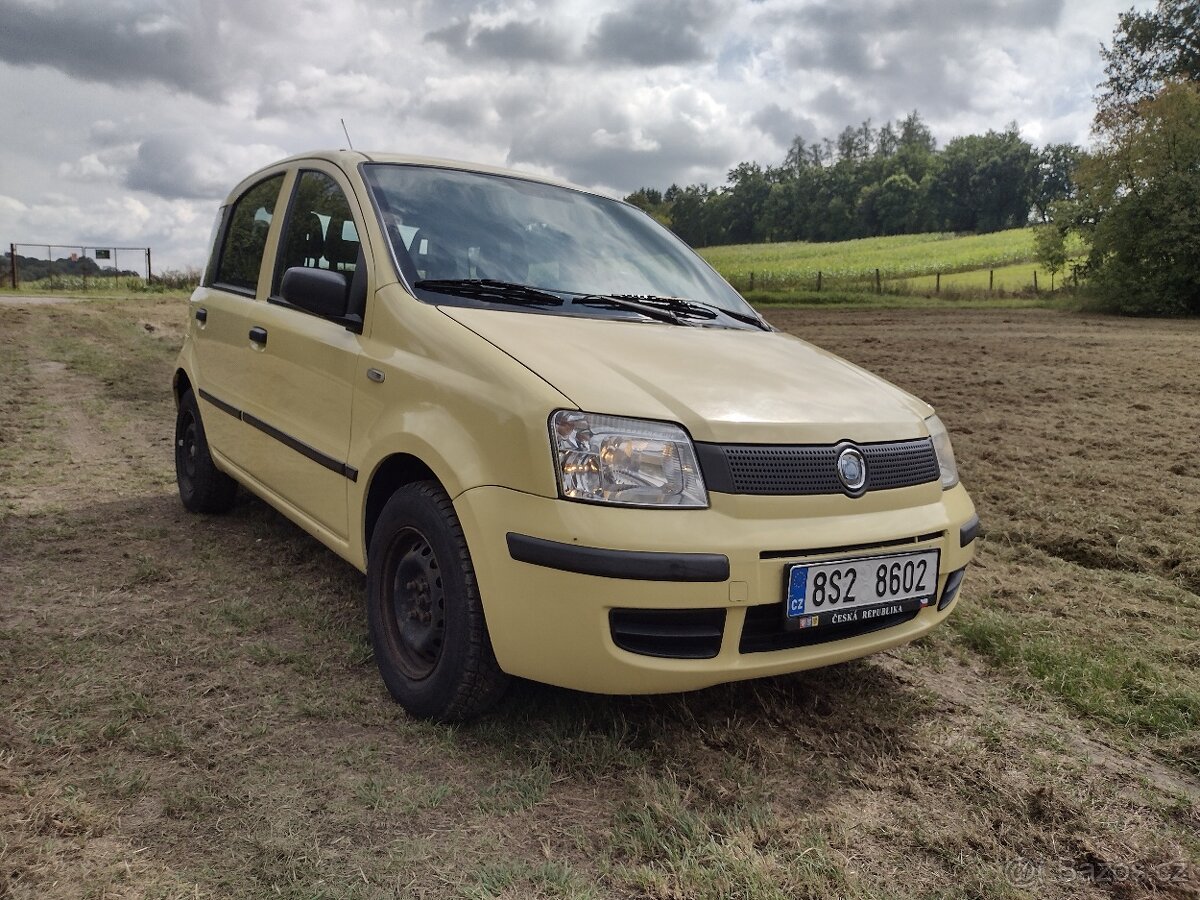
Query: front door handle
[258, 335]
[202, 315]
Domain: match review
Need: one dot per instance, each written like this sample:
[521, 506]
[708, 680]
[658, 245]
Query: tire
[203, 487]
[424, 614]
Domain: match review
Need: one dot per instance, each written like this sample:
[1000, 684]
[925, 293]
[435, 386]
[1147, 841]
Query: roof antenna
[347, 133]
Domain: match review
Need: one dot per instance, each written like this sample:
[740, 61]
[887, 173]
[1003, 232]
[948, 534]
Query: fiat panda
[557, 443]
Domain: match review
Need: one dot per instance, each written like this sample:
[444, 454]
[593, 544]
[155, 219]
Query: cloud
[176, 45]
[193, 166]
[654, 33]
[653, 137]
[513, 41]
[783, 125]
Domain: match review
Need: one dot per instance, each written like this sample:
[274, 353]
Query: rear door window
[246, 236]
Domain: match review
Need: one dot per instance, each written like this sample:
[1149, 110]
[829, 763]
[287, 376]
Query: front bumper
[550, 611]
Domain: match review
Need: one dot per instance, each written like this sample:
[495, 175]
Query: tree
[984, 182]
[1148, 50]
[898, 205]
[653, 203]
[1055, 177]
[1138, 199]
[744, 200]
[1141, 194]
[1050, 246]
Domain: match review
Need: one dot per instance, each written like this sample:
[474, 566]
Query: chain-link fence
[59, 267]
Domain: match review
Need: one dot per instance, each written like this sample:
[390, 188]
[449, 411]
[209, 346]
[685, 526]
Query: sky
[126, 122]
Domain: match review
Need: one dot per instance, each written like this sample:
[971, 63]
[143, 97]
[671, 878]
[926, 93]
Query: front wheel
[423, 610]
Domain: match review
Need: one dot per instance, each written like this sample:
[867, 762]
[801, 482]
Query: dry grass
[188, 706]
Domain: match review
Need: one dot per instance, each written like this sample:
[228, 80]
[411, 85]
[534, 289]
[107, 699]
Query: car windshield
[492, 233]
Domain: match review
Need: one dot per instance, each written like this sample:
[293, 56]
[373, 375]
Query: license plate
[846, 591]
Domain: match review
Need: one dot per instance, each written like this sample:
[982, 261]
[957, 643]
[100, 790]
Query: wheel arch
[180, 385]
[392, 473]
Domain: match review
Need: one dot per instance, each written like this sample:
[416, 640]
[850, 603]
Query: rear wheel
[423, 610]
[203, 487]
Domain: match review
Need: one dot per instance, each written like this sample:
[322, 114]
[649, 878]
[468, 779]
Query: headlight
[945, 453]
[611, 459]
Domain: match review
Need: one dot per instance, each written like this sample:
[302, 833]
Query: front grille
[812, 469]
[764, 629]
[670, 633]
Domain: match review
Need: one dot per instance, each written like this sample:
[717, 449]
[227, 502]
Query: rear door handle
[258, 334]
[202, 315]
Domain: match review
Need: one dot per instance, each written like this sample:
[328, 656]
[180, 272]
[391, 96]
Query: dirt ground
[188, 705]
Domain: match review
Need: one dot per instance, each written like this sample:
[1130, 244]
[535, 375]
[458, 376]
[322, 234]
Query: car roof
[348, 160]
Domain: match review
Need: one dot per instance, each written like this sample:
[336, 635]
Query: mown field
[906, 263]
[188, 706]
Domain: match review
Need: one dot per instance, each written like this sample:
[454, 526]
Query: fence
[1009, 279]
[74, 267]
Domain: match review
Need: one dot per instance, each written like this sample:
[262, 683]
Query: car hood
[724, 385]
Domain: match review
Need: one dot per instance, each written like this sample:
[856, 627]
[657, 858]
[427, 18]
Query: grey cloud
[172, 44]
[673, 150]
[837, 106]
[194, 165]
[955, 15]
[909, 53]
[783, 125]
[654, 33]
[165, 167]
[453, 36]
[513, 41]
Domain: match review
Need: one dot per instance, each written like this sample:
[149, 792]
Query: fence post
[937, 284]
[818, 281]
[12, 264]
[991, 280]
[148, 274]
[878, 284]
[1035, 287]
[751, 278]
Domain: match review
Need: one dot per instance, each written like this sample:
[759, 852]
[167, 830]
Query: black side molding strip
[633, 564]
[283, 437]
[968, 532]
[220, 404]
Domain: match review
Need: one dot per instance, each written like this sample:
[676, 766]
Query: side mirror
[317, 290]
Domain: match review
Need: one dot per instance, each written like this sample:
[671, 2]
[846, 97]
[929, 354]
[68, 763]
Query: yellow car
[559, 445]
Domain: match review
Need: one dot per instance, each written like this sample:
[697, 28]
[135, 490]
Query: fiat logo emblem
[852, 470]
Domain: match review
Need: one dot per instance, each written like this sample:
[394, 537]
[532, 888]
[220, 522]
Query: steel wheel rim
[415, 606]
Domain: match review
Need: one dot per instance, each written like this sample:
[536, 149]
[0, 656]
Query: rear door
[223, 313]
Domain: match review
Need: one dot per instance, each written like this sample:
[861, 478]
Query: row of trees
[873, 181]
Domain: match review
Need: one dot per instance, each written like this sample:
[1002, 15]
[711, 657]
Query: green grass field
[904, 262]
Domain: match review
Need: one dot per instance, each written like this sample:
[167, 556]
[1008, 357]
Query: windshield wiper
[490, 291]
[617, 302]
[696, 308]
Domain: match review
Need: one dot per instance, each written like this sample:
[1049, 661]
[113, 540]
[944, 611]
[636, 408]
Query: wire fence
[66, 267]
[1022, 278]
